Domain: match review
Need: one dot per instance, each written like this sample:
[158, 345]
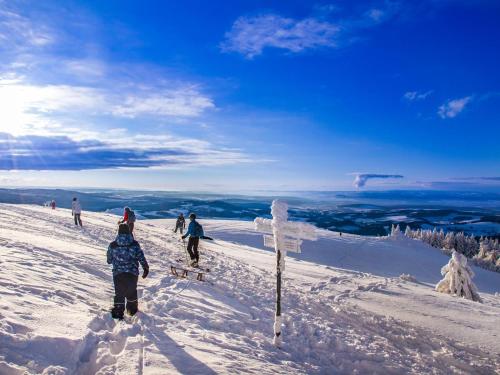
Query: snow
[346, 308]
[403, 218]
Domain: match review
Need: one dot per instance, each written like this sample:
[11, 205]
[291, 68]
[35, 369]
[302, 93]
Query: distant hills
[365, 212]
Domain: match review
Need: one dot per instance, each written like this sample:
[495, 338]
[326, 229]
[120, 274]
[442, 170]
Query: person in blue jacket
[195, 231]
[125, 254]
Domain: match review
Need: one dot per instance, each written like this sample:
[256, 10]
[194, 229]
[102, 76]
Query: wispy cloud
[183, 102]
[63, 153]
[452, 108]
[18, 32]
[39, 108]
[488, 178]
[361, 179]
[250, 35]
[416, 95]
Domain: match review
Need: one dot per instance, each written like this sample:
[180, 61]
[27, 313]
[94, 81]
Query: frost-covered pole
[285, 237]
[279, 210]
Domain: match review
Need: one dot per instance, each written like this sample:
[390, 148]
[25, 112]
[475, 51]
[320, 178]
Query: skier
[125, 254]
[129, 219]
[53, 204]
[195, 231]
[76, 211]
[180, 223]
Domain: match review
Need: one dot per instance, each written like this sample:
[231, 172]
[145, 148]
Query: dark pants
[125, 287]
[78, 220]
[179, 227]
[192, 248]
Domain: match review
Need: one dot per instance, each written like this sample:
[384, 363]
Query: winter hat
[127, 209]
[192, 216]
[123, 229]
[74, 198]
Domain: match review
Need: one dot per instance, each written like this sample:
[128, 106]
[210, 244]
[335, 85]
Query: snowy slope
[350, 314]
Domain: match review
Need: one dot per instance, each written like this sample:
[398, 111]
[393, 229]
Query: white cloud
[18, 32]
[376, 14]
[251, 35]
[29, 108]
[361, 179]
[185, 102]
[140, 151]
[416, 95]
[453, 107]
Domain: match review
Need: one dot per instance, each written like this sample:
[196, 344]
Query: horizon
[252, 191]
[261, 97]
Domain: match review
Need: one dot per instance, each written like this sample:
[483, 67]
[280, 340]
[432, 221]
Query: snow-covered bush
[458, 278]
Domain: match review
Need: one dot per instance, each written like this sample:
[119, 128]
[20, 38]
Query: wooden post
[282, 231]
[277, 320]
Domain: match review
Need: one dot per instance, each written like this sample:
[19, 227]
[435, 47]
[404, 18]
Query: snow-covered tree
[496, 245]
[460, 243]
[472, 246]
[440, 239]
[484, 248]
[487, 256]
[449, 241]
[395, 230]
[408, 232]
[458, 278]
[434, 239]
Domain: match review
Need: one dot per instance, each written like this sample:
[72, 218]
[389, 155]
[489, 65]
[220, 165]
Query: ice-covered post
[286, 236]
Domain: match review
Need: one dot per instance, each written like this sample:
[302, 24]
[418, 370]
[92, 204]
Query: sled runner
[186, 273]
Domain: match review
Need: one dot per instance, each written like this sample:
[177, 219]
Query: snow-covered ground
[346, 310]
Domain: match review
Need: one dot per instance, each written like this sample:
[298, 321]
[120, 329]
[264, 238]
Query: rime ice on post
[286, 236]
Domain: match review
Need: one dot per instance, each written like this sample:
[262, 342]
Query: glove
[145, 273]
[183, 237]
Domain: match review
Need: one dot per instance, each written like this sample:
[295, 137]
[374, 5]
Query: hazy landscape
[364, 213]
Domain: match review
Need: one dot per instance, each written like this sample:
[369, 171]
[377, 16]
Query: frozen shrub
[458, 278]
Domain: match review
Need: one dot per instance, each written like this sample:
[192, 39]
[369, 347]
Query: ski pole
[188, 258]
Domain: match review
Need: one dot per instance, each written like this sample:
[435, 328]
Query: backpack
[198, 230]
[131, 217]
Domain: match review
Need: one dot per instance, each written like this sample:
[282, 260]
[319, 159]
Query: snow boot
[117, 313]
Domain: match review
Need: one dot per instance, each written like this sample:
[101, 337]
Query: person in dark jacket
[125, 254]
[195, 231]
[180, 223]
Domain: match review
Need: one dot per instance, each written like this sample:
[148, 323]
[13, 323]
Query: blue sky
[250, 95]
